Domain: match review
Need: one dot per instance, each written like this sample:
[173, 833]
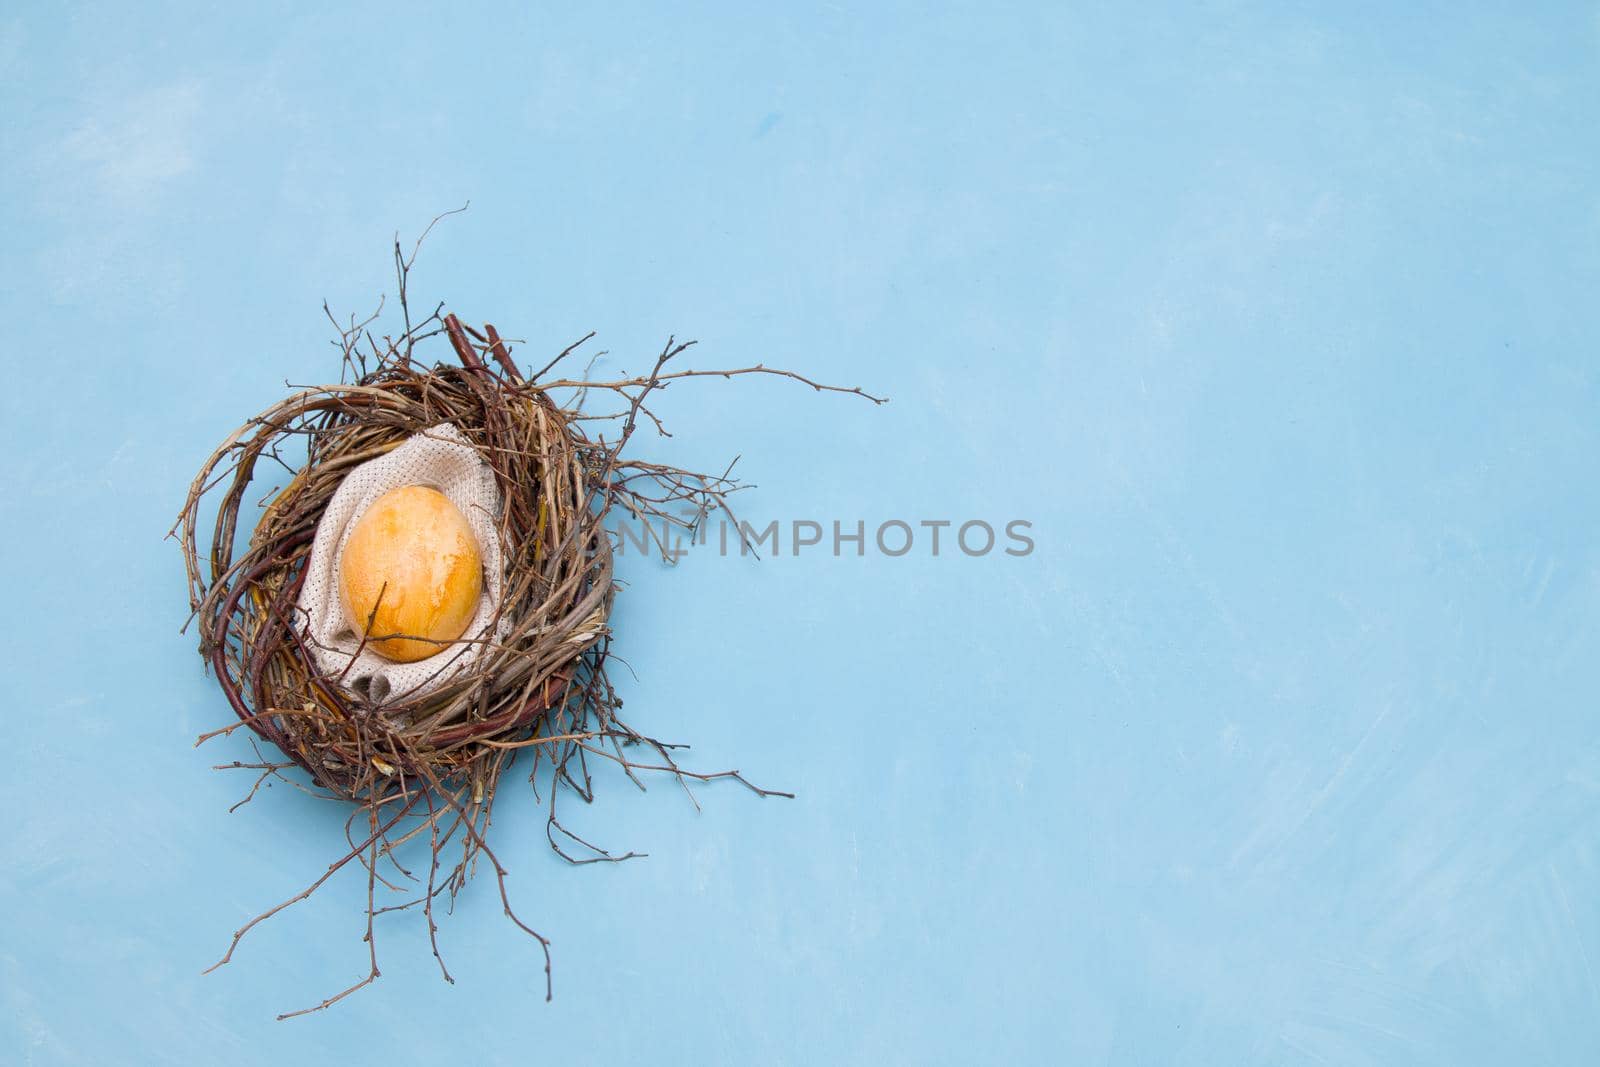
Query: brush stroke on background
[1279, 325]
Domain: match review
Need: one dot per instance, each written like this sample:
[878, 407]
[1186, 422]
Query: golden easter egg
[411, 569]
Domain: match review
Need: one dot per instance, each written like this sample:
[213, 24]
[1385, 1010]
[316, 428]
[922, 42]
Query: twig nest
[410, 575]
[422, 762]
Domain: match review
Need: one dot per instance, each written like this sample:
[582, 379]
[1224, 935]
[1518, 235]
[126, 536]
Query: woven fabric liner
[439, 457]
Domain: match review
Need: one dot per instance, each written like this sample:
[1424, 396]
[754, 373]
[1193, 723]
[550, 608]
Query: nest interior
[428, 768]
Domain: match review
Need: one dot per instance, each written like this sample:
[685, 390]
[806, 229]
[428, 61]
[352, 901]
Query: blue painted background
[1280, 324]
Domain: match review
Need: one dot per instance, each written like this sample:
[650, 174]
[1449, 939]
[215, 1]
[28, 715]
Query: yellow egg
[413, 558]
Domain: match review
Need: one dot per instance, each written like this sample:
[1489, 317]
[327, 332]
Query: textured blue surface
[1280, 325]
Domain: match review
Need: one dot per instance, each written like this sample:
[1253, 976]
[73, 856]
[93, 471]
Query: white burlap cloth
[439, 457]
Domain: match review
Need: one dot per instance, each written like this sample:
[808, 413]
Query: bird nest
[426, 769]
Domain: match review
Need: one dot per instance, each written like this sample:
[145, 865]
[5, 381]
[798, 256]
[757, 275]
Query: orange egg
[411, 567]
